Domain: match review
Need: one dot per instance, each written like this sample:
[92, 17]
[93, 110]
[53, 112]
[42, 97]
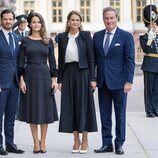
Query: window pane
[32, 4]
[144, 3]
[138, 18]
[82, 11]
[54, 19]
[88, 3]
[138, 3]
[85, 10]
[54, 4]
[82, 3]
[60, 4]
[60, 12]
[88, 19]
[54, 12]
[60, 19]
[83, 18]
[25, 4]
[138, 11]
[88, 11]
[29, 6]
[57, 10]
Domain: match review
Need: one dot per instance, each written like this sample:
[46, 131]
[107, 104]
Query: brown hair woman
[37, 81]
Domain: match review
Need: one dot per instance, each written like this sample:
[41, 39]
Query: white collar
[6, 32]
[113, 31]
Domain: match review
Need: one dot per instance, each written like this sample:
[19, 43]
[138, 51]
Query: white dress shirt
[111, 36]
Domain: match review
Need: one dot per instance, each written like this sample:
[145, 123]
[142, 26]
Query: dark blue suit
[113, 71]
[9, 86]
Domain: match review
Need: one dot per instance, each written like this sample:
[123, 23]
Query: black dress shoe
[2, 151]
[150, 114]
[13, 149]
[103, 149]
[119, 150]
[156, 114]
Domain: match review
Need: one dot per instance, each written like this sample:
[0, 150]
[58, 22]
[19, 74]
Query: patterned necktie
[11, 42]
[107, 42]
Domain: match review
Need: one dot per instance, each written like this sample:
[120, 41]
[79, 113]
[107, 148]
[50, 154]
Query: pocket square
[117, 44]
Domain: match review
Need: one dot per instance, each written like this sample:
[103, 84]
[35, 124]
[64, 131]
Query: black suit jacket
[85, 50]
[150, 64]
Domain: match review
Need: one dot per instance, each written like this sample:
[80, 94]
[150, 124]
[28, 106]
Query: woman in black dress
[76, 80]
[37, 70]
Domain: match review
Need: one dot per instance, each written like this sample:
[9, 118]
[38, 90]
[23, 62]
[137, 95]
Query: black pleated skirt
[77, 103]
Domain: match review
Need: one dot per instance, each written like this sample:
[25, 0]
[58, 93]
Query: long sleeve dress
[38, 105]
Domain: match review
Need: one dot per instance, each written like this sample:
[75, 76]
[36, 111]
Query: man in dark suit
[21, 25]
[149, 44]
[114, 50]
[9, 49]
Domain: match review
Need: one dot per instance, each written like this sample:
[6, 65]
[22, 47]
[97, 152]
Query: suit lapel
[101, 40]
[65, 42]
[116, 36]
[5, 42]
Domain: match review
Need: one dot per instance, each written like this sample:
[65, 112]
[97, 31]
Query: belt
[36, 63]
[152, 55]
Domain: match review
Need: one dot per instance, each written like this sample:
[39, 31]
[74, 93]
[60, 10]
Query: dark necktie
[22, 34]
[107, 42]
[11, 42]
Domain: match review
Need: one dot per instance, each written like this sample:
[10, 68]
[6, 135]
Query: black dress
[38, 105]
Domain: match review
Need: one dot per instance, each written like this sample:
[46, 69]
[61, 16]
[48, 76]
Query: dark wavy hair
[43, 31]
[67, 29]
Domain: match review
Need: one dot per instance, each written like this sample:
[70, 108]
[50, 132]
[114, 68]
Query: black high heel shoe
[43, 151]
[36, 151]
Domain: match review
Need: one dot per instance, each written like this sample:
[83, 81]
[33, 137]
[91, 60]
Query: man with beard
[9, 49]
